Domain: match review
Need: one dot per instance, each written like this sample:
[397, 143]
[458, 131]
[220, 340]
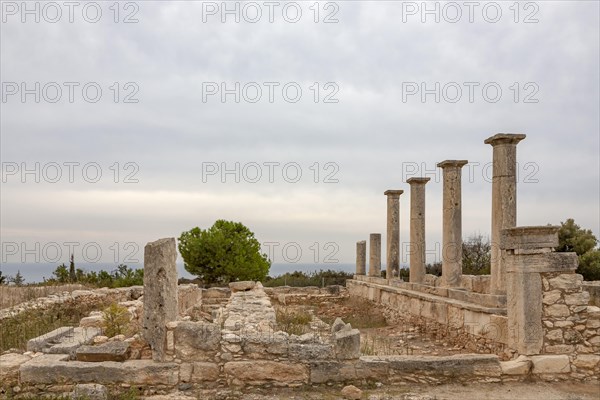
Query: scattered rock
[241, 286]
[351, 392]
[89, 391]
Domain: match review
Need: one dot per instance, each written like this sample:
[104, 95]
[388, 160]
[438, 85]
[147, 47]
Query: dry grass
[11, 295]
[293, 321]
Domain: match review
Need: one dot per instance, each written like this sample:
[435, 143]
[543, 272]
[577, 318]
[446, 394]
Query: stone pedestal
[160, 294]
[452, 223]
[527, 254]
[361, 257]
[504, 199]
[375, 254]
[393, 233]
[417, 229]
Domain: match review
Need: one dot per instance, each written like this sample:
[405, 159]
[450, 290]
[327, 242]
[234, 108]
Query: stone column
[527, 254]
[375, 254]
[417, 229]
[393, 233]
[361, 257]
[504, 199]
[452, 223]
[160, 294]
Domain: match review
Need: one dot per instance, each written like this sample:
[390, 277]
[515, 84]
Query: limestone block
[560, 349]
[160, 293]
[337, 325]
[557, 310]
[520, 366]
[95, 321]
[566, 281]
[89, 391]
[205, 371]
[41, 343]
[347, 344]
[257, 372]
[551, 364]
[313, 351]
[552, 297]
[587, 361]
[555, 334]
[334, 371]
[241, 286]
[196, 340]
[110, 351]
[9, 367]
[577, 299]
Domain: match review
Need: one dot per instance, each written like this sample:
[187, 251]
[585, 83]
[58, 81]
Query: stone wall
[471, 325]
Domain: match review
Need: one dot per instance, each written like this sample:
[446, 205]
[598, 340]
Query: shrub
[115, 320]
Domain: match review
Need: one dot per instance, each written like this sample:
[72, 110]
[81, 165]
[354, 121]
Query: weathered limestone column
[504, 199]
[375, 254]
[527, 254]
[160, 293]
[417, 229]
[452, 223]
[393, 233]
[361, 257]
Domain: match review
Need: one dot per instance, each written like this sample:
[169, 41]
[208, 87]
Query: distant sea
[36, 272]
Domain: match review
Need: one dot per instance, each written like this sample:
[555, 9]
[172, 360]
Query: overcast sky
[356, 96]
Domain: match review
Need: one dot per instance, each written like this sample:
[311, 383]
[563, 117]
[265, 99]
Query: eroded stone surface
[110, 351]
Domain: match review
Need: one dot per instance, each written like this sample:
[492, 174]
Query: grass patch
[16, 331]
[293, 321]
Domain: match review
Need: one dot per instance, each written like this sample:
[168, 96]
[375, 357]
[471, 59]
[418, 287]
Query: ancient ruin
[531, 318]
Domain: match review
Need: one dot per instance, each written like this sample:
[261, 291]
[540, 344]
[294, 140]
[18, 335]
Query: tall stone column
[527, 253]
[375, 254]
[160, 294]
[417, 229]
[361, 257]
[393, 233]
[452, 222]
[504, 199]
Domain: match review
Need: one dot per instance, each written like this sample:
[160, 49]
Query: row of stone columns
[503, 216]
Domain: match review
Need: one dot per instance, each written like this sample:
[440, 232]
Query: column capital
[505, 138]
[452, 163]
[529, 238]
[416, 180]
[393, 192]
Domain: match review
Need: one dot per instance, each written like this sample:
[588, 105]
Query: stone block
[89, 391]
[557, 311]
[520, 366]
[241, 286]
[95, 321]
[110, 351]
[587, 361]
[551, 364]
[552, 297]
[47, 340]
[566, 281]
[333, 371]
[310, 351]
[351, 392]
[347, 344]
[577, 299]
[260, 372]
[160, 293]
[196, 340]
[9, 367]
[205, 371]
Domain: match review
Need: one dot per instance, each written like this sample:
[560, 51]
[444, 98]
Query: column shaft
[504, 200]
[417, 229]
[393, 233]
[361, 257]
[452, 223]
[375, 254]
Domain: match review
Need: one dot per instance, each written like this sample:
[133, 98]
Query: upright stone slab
[361, 257]
[527, 254]
[393, 233]
[417, 229]
[375, 254]
[160, 293]
[452, 223]
[504, 199]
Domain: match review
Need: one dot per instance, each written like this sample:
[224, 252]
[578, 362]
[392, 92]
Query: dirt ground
[490, 391]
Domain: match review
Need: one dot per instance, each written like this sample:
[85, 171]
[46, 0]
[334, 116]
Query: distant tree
[61, 274]
[571, 237]
[226, 252]
[434, 269]
[2, 278]
[476, 259]
[72, 273]
[18, 279]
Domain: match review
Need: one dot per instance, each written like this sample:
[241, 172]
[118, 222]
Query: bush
[303, 279]
[572, 238]
[115, 320]
[294, 322]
